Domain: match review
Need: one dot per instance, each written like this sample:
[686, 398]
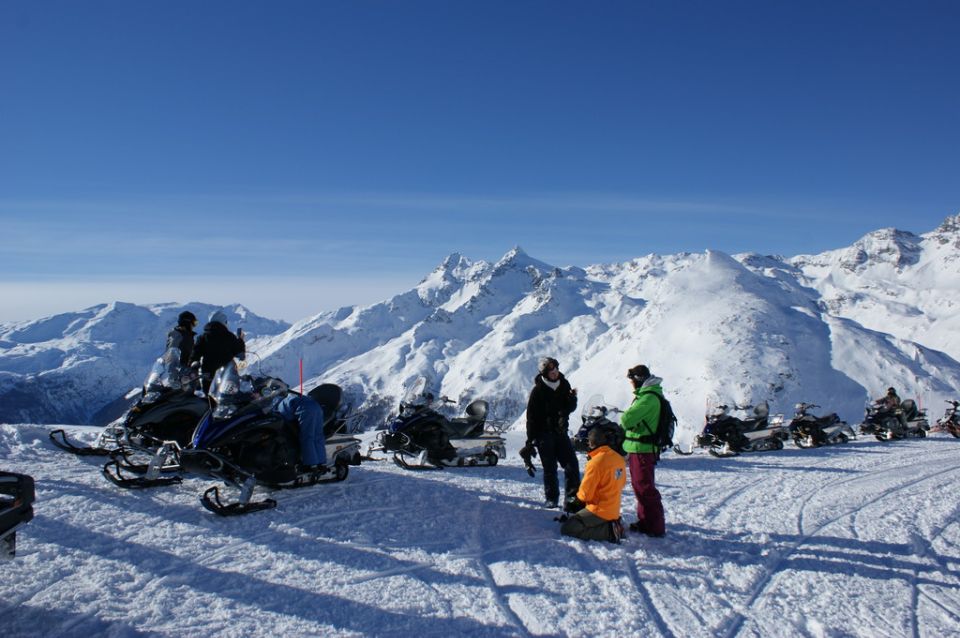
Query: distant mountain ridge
[833, 329]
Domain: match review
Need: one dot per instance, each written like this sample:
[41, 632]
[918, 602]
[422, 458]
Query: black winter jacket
[548, 411]
[216, 347]
[182, 337]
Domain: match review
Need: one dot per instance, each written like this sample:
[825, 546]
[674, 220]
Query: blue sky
[299, 156]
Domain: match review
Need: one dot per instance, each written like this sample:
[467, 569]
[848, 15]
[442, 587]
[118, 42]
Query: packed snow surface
[861, 539]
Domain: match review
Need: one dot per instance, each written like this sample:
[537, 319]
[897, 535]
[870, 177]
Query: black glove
[573, 505]
[527, 452]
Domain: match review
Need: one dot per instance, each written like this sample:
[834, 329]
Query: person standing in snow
[216, 347]
[639, 422]
[548, 415]
[182, 335]
[597, 504]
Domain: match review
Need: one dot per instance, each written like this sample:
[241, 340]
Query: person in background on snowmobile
[548, 415]
[639, 422]
[216, 347]
[182, 335]
[889, 402]
[597, 504]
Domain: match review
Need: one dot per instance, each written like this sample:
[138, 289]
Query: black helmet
[597, 437]
[891, 391]
[639, 373]
[187, 318]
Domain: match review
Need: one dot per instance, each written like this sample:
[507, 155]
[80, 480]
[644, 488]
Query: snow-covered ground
[854, 540]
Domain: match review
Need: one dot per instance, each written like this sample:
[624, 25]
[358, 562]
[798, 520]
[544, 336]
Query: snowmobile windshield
[594, 408]
[417, 395]
[230, 391]
[166, 374]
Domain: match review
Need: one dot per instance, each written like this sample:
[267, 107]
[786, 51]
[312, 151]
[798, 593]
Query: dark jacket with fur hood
[548, 410]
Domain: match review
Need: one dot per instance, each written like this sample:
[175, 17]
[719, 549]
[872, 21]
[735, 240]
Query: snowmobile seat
[472, 423]
[328, 395]
[909, 407]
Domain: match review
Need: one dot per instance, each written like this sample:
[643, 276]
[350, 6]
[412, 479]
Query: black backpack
[662, 437]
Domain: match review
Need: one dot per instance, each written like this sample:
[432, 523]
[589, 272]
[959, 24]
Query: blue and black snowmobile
[16, 509]
[244, 443]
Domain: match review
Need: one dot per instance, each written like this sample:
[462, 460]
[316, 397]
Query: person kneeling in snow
[598, 499]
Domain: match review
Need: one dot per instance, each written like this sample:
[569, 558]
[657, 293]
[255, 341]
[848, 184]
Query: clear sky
[300, 156]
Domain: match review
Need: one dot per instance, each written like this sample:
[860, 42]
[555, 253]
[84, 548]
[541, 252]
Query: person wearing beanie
[182, 335]
[639, 422]
[216, 347]
[548, 416]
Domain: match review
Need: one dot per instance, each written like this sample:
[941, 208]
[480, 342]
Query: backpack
[662, 437]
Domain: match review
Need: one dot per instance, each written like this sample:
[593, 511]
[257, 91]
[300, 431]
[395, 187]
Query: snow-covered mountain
[75, 367]
[831, 329]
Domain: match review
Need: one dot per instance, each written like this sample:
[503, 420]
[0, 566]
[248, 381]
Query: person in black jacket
[182, 336]
[216, 347]
[548, 416]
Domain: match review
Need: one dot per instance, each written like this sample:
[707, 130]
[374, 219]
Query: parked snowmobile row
[231, 435]
[16, 509]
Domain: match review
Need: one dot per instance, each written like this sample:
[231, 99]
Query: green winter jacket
[641, 418]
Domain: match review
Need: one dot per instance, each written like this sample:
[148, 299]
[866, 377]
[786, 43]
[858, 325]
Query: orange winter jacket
[603, 482]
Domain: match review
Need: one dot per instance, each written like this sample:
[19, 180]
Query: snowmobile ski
[211, 501]
[64, 444]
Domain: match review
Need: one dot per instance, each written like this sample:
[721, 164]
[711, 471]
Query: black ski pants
[555, 450]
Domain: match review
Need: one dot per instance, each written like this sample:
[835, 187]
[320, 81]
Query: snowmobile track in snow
[768, 578]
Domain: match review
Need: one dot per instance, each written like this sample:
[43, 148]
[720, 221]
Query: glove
[527, 452]
[573, 505]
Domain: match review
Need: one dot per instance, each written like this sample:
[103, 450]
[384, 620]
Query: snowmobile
[907, 421]
[950, 422]
[808, 430]
[168, 409]
[594, 415]
[724, 435]
[16, 509]
[244, 443]
[421, 438]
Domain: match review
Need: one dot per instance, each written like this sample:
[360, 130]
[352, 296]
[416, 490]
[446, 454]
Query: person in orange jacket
[598, 499]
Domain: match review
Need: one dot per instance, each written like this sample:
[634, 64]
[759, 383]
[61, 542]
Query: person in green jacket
[639, 423]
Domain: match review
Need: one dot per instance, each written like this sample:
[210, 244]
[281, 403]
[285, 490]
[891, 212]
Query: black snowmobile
[594, 415]
[246, 444]
[950, 422]
[421, 438]
[725, 435]
[16, 509]
[906, 421]
[808, 430]
[168, 409]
